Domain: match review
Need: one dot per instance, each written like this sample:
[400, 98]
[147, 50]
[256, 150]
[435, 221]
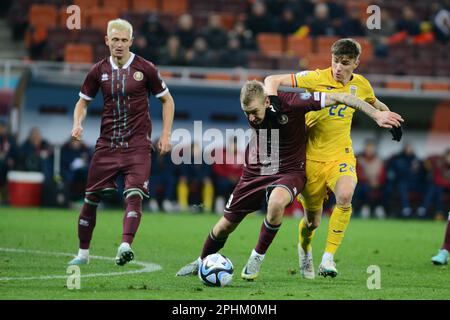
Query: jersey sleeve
[91, 84]
[369, 95]
[305, 79]
[304, 100]
[155, 83]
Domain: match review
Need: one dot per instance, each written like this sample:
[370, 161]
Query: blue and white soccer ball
[216, 270]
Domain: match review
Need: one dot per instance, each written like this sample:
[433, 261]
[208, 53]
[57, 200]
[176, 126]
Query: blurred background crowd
[401, 186]
[263, 34]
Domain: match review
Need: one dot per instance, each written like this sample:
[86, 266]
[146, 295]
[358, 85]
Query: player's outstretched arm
[79, 114]
[168, 106]
[273, 82]
[380, 105]
[385, 119]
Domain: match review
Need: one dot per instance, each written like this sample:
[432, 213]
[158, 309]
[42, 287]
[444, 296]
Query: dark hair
[346, 47]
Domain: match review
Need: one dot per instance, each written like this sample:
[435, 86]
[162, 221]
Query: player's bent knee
[344, 198]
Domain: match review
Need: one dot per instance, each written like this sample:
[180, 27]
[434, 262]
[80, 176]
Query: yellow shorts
[323, 175]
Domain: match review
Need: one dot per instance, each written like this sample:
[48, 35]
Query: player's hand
[397, 133]
[273, 109]
[164, 146]
[77, 132]
[388, 119]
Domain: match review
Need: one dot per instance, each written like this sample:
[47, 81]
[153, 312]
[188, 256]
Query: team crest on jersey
[105, 77]
[283, 119]
[353, 90]
[138, 76]
[305, 95]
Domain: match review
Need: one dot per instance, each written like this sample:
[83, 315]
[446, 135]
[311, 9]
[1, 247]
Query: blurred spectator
[245, 36]
[35, 154]
[439, 168]
[154, 32]
[173, 54]
[185, 31]
[195, 186]
[259, 20]
[408, 23]
[18, 19]
[200, 55]
[227, 173]
[371, 176]
[379, 37]
[75, 157]
[320, 25]
[162, 182]
[441, 24]
[36, 41]
[8, 154]
[143, 49]
[405, 173]
[289, 22]
[351, 25]
[214, 33]
[233, 55]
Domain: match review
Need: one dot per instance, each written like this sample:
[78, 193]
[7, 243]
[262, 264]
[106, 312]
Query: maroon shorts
[107, 163]
[247, 196]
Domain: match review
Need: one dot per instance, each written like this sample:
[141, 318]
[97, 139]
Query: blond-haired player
[330, 159]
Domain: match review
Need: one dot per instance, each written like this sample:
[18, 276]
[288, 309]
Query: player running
[124, 146]
[330, 159]
[279, 176]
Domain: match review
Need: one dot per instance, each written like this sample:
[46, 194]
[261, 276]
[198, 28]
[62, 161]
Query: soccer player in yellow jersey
[330, 160]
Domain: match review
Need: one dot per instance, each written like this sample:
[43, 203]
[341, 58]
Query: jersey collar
[126, 65]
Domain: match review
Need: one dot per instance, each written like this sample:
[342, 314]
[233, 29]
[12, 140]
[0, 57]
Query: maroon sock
[446, 244]
[212, 245]
[87, 219]
[132, 218]
[266, 235]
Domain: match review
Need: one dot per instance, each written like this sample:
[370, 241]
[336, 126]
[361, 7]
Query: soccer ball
[216, 270]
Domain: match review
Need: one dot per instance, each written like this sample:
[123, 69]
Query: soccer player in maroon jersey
[274, 167]
[124, 145]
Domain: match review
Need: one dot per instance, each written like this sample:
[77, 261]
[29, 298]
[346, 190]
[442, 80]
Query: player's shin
[266, 235]
[305, 236]
[87, 220]
[132, 217]
[339, 220]
[212, 245]
[446, 244]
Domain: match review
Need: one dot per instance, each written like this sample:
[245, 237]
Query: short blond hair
[120, 24]
[252, 90]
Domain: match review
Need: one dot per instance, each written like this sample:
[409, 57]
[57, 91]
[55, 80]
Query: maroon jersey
[280, 146]
[125, 118]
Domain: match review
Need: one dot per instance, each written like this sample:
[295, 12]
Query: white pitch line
[147, 267]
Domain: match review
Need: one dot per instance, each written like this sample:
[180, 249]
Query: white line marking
[147, 267]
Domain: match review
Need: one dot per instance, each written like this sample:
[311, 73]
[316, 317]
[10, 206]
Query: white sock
[125, 244]
[83, 253]
[254, 253]
[327, 256]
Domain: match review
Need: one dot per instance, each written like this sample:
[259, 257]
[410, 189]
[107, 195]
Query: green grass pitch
[401, 249]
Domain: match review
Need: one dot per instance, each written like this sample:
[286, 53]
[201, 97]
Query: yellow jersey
[328, 130]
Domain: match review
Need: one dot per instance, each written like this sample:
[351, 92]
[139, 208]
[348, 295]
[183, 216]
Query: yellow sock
[339, 220]
[305, 236]
[183, 195]
[208, 196]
